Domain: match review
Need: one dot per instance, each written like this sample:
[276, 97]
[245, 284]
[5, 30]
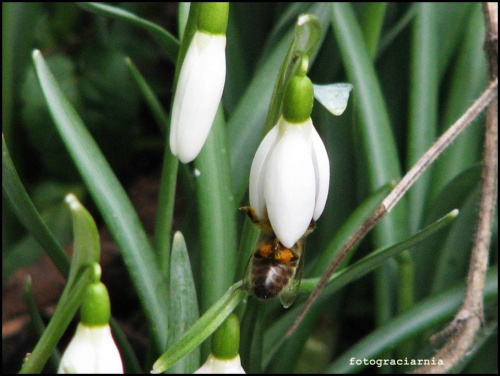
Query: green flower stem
[187, 35]
[65, 310]
[306, 37]
[28, 215]
[150, 97]
[205, 326]
[217, 210]
[372, 21]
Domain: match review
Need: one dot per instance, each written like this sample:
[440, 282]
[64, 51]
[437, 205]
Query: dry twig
[467, 321]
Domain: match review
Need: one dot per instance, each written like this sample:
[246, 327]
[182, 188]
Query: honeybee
[273, 269]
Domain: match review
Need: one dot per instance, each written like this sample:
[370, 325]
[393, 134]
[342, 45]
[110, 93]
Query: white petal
[92, 350]
[333, 96]
[289, 185]
[108, 358]
[198, 94]
[215, 365]
[322, 173]
[256, 186]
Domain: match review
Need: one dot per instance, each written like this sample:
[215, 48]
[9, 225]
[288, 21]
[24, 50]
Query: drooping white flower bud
[216, 365]
[93, 349]
[289, 179]
[200, 84]
[290, 174]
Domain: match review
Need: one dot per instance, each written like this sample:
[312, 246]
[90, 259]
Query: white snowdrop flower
[92, 350]
[224, 357]
[215, 365]
[290, 173]
[200, 84]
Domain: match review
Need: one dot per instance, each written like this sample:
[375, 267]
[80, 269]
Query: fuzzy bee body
[273, 269]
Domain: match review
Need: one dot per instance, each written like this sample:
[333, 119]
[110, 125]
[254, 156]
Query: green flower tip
[96, 309]
[212, 18]
[298, 99]
[226, 339]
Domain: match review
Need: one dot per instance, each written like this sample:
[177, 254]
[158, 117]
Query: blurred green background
[427, 65]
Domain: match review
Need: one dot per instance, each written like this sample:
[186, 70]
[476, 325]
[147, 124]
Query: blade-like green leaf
[87, 248]
[64, 313]
[372, 21]
[426, 314]
[217, 210]
[112, 201]
[166, 40]
[202, 328]
[37, 321]
[466, 85]
[183, 305]
[423, 107]
[27, 213]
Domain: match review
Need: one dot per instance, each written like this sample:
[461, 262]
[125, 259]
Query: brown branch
[399, 190]
[469, 318]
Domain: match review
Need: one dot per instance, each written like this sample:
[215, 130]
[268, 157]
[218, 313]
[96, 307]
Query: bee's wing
[290, 292]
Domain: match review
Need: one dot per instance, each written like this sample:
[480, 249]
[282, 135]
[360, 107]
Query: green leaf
[28, 215]
[86, 246]
[217, 211]
[150, 97]
[183, 305]
[166, 40]
[423, 106]
[425, 315]
[372, 21]
[111, 199]
[427, 256]
[465, 86]
[200, 331]
[37, 321]
[66, 308]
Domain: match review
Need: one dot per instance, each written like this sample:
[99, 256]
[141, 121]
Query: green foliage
[90, 114]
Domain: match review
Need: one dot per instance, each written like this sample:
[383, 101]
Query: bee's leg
[251, 214]
[311, 227]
